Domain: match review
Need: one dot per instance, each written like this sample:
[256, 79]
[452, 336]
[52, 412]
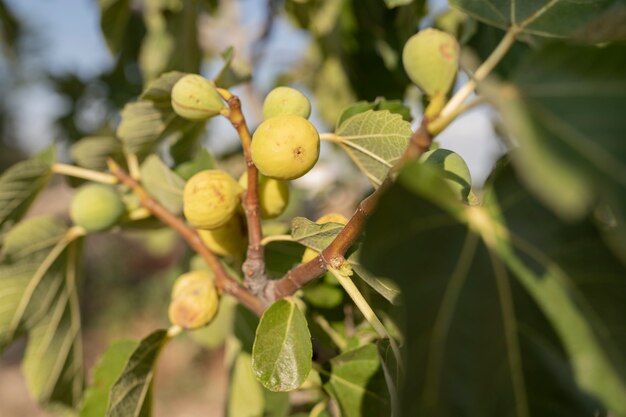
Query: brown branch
[253, 267]
[222, 280]
[333, 255]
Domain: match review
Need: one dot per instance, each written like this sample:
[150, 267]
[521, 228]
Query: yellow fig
[431, 60]
[283, 101]
[273, 195]
[285, 147]
[196, 98]
[96, 207]
[227, 240]
[210, 198]
[310, 254]
[195, 300]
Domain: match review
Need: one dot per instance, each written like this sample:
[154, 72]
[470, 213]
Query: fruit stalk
[333, 255]
[253, 267]
[222, 280]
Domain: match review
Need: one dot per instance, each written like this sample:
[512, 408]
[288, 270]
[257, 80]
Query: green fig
[210, 198]
[196, 98]
[96, 207]
[283, 101]
[195, 300]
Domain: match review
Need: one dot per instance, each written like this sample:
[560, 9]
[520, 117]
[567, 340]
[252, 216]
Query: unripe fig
[283, 101]
[273, 195]
[227, 240]
[456, 172]
[285, 147]
[96, 207]
[210, 198]
[431, 60]
[194, 300]
[310, 254]
[195, 98]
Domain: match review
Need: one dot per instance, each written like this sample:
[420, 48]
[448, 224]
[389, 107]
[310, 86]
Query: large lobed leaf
[39, 298]
[282, 351]
[553, 18]
[527, 321]
[20, 185]
[374, 140]
[565, 111]
[131, 395]
[357, 383]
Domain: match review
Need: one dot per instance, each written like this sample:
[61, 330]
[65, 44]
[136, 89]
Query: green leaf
[282, 351]
[146, 122]
[114, 19]
[529, 312]
[38, 279]
[564, 109]
[357, 384]
[552, 18]
[201, 161]
[131, 395]
[162, 183]
[245, 393]
[231, 74]
[374, 140]
[20, 185]
[313, 235]
[383, 286]
[92, 152]
[394, 106]
[107, 370]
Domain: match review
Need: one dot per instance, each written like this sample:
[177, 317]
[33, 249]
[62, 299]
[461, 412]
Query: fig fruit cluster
[195, 300]
[286, 145]
[96, 207]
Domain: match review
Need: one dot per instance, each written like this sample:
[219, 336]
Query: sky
[70, 33]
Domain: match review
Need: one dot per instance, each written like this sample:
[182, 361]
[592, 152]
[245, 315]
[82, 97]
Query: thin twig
[222, 280]
[86, 174]
[253, 267]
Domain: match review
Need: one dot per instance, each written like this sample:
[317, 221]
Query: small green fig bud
[431, 60]
[283, 101]
[273, 195]
[310, 254]
[195, 98]
[285, 147]
[195, 300]
[456, 172]
[96, 207]
[228, 240]
[210, 198]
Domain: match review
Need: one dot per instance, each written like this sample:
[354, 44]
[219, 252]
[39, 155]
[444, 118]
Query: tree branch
[333, 255]
[222, 280]
[253, 267]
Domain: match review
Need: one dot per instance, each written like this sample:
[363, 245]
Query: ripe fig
[283, 101]
[210, 198]
[455, 170]
[195, 300]
[273, 195]
[310, 254]
[195, 98]
[431, 60]
[227, 240]
[285, 147]
[96, 207]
